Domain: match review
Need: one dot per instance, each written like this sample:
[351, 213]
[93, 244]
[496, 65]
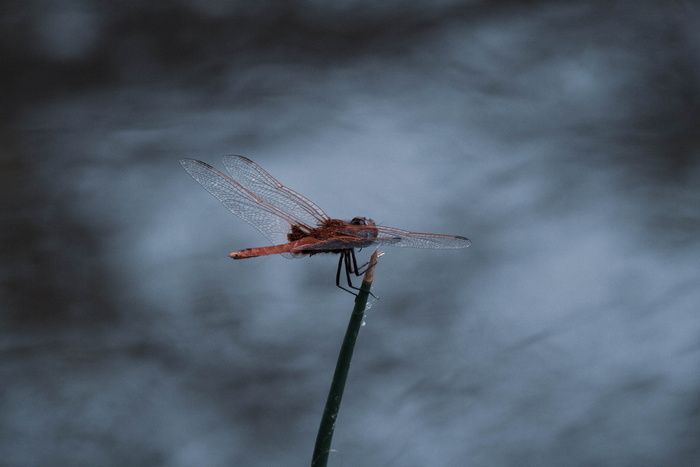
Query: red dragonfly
[295, 225]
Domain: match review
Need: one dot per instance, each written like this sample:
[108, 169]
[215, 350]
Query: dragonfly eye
[362, 221]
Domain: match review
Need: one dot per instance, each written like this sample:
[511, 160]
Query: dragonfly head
[369, 232]
[362, 221]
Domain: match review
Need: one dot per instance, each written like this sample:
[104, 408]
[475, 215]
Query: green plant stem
[335, 395]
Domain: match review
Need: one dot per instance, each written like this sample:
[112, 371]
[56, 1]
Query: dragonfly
[295, 225]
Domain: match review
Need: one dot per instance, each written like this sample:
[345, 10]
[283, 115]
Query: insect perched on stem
[295, 225]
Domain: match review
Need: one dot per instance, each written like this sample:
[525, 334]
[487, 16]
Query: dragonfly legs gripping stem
[348, 261]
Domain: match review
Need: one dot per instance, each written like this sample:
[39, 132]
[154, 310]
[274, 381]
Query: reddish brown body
[334, 236]
[273, 250]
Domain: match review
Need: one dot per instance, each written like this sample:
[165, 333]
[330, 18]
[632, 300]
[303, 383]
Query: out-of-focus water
[561, 137]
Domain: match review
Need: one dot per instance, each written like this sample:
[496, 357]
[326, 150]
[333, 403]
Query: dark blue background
[561, 137]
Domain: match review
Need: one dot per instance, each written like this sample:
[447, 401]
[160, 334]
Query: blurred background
[561, 137]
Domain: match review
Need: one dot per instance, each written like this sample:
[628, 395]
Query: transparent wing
[272, 221]
[403, 238]
[297, 208]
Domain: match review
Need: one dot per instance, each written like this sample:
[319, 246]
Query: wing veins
[256, 180]
[271, 221]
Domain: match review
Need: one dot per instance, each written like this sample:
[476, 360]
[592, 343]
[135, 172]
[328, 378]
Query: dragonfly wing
[270, 221]
[404, 238]
[297, 208]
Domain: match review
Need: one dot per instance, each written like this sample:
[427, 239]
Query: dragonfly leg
[349, 259]
[361, 269]
[344, 263]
